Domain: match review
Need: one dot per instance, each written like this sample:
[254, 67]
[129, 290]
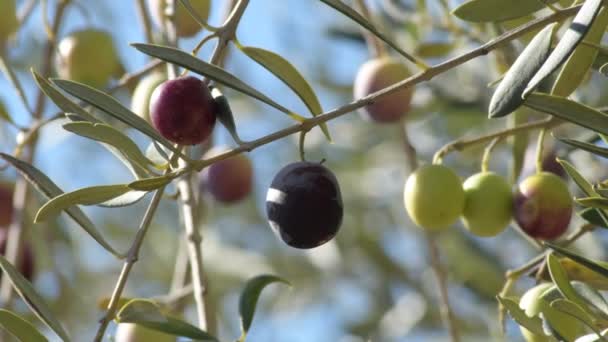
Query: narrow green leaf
[210, 71]
[224, 113]
[569, 110]
[508, 95]
[287, 73]
[435, 49]
[50, 190]
[592, 265]
[534, 324]
[339, 6]
[589, 293]
[573, 309]
[593, 216]
[111, 106]
[150, 184]
[593, 202]
[249, 298]
[579, 63]
[19, 327]
[109, 135]
[65, 104]
[573, 36]
[85, 196]
[148, 314]
[583, 184]
[479, 11]
[599, 151]
[560, 278]
[32, 299]
[193, 13]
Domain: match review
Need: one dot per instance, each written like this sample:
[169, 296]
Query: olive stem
[462, 144]
[132, 258]
[21, 193]
[374, 44]
[539, 150]
[487, 153]
[446, 312]
[144, 16]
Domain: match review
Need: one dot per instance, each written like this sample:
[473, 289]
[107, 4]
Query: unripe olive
[88, 56]
[543, 206]
[130, 332]
[434, 197]
[488, 204]
[26, 255]
[140, 102]
[377, 74]
[304, 204]
[537, 300]
[9, 22]
[182, 110]
[185, 25]
[229, 180]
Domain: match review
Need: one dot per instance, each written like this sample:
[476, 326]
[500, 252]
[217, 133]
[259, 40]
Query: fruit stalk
[447, 314]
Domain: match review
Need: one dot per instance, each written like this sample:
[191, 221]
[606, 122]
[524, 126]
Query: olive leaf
[35, 302]
[580, 62]
[287, 73]
[249, 299]
[508, 95]
[570, 40]
[50, 190]
[497, 10]
[19, 327]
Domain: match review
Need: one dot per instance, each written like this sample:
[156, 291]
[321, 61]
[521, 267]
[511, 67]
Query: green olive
[77, 53]
[140, 102]
[488, 204]
[130, 332]
[537, 300]
[434, 197]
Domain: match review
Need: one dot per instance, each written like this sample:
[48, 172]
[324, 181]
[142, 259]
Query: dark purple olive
[304, 205]
[182, 110]
[26, 256]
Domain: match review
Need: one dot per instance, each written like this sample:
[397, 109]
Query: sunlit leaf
[287, 73]
[533, 324]
[85, 196]
[20, 328]
[579, 63]
[249, 298]
[496, 10]
[569, 110]
[149, 314]
[592, 265]
[570, 40]
[574, 310]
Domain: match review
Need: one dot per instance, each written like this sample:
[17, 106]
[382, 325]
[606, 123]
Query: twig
[446, 312]
[420, 77]
[144, 16]
[374, 44]
[21, 193]
[132, 258]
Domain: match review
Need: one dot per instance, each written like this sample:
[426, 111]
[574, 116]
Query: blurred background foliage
[372, 282]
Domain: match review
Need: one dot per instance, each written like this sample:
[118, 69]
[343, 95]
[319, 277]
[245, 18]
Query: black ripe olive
[304, 205]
